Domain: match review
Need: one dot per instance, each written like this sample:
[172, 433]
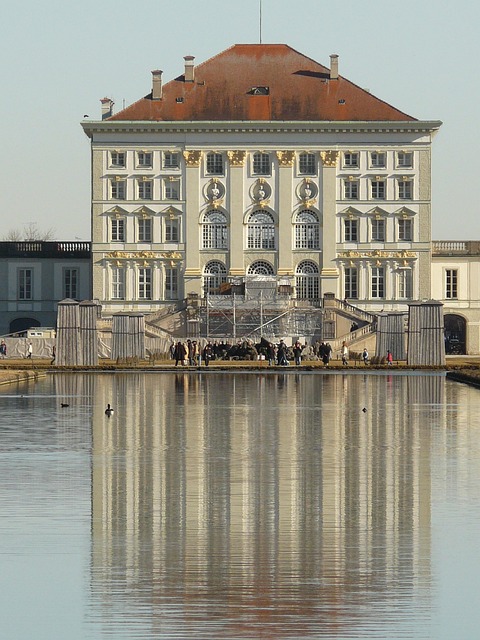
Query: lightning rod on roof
[260, 21]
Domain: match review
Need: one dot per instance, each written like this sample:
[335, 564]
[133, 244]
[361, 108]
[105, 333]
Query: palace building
[260, 168]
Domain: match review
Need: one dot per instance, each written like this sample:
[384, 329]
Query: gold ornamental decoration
[193, 158]
[329, 158]
[237, 158]
[377, 254]
[286, 158]
[132, 255]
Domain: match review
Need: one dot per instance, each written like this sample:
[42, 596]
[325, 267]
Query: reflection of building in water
[273, 496]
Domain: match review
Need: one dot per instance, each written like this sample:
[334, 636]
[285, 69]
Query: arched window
[261, 231]
[307, 230]
[306, 281]
[214, 230]
[214, 274]
[260, 268]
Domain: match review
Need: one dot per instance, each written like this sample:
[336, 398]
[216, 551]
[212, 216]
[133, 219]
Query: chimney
[334, 66]
[189, 68]
[157, 84]
[107, 107]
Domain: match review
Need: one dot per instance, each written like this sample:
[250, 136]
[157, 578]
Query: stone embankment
[9, 376]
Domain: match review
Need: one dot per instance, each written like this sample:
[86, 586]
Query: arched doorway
[455, 334]
[22, 324]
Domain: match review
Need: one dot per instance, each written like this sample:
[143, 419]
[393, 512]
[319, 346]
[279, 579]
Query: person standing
[3, 349]
[389, 358]
[207, 353]
[344, 353]
[30, 350]
[365, 356]
[282, 354]
[297, 353]
[271, 354]
[179, 353]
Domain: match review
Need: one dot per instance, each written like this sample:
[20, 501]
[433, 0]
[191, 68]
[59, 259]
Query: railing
[353, 336]
[42, 249]
[343, 305]
[449, 246]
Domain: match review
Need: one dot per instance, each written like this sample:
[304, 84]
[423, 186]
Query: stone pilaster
[286, 161]
[236, 208]
[329, 274]
[193, 272]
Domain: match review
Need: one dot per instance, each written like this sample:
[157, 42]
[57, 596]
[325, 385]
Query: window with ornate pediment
[117, 230]
[350, 230]
[144, 230]
[405, 230]
[214, 230]
[261, 230]
[377, 230]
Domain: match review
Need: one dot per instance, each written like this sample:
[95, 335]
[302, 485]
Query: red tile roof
[298, 89]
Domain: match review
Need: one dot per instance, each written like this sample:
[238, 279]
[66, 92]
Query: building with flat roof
[35, 276]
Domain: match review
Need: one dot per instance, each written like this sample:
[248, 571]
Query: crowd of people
[192, 353]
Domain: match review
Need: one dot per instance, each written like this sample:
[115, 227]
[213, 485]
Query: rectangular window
[261, 164]
[117, 189]
[378, 230]
[144, 159]
[215, 164]
[351, 283]
[378, 282]
[351, 159]
[118, 230]
[451, 284]
[405, 284]
[378, 189]
[307, 164]
[172, 189]
[145, 283]
[405, 230]
[118, 283]
[117, 158]
[25, 284]
[171, 283]
[171, 230]
[377, 159]
[171, 160]
[405, 189]
[350, 189]
[70, 283]
[351, 230]
[144, 230]
[404, 159]
[145, 189]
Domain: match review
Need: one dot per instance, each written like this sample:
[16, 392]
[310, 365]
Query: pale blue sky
[61, 56]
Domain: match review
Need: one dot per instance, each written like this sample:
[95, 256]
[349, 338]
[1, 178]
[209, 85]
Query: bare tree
[29, 233]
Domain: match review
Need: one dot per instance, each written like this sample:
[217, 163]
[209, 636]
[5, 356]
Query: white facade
[364, 233]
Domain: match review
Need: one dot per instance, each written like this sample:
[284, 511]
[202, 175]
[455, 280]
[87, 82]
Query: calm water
[240, 506]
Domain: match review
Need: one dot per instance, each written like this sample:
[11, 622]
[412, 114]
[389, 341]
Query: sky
[60, 57]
